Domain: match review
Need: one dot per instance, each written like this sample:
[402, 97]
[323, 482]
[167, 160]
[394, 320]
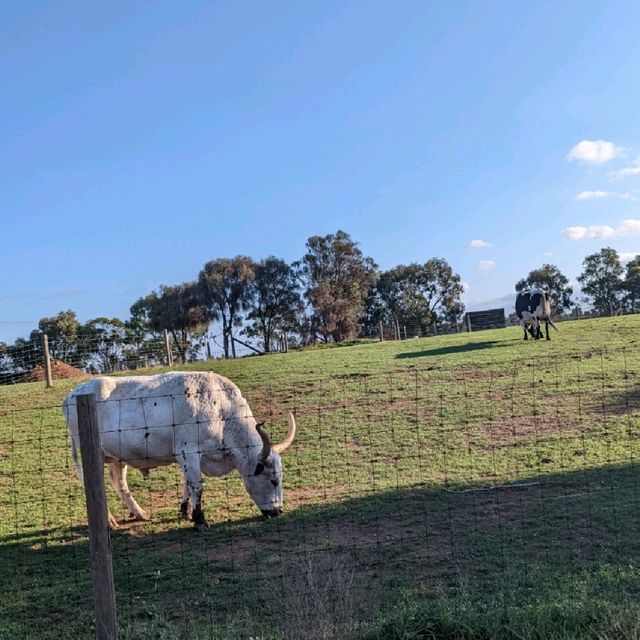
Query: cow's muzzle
[271, 513]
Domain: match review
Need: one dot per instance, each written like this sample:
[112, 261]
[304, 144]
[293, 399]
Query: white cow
[199, 421]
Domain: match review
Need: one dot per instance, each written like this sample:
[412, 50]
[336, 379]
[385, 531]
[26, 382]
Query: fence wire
[499, 479]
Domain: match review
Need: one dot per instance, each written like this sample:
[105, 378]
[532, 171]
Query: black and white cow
[532, 307]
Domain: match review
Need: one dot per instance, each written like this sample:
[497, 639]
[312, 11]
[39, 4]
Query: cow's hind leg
[193, 481]
[118, 479]
[184, 503]
[546, 329]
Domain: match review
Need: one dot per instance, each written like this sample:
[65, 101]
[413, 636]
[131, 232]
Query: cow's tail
[553, 325]
[74, 457]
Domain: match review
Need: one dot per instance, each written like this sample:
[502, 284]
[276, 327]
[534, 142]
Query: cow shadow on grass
[624, 402]
[540, 534]
[453, 349]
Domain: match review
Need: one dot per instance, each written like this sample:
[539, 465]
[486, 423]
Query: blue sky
[140, 140]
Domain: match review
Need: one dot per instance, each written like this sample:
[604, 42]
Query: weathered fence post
[397, 329]
[48, 378]
[381, 332]
[468, 323]
[97, 511]
[167, 347]
[286, 343]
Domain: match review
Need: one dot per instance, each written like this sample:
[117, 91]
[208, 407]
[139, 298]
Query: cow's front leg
[524, 327]
[546, 329]
[536, 329]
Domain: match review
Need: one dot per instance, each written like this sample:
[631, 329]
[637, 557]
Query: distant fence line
[49, 359]
[432, 478]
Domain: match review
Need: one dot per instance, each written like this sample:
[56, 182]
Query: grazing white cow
[532, 306]
[199, 421]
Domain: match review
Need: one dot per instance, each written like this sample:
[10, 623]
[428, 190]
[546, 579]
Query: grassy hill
[468, 482]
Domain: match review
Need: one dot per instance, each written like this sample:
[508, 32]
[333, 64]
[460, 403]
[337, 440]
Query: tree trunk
[233, 343]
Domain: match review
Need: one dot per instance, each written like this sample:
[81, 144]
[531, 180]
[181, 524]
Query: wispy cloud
[593, 195]
[598, 195]
[632, 170]
[58, 295]
[629, 227]
[478, 244]
[594, 151]
[485, 265]
[627, 256]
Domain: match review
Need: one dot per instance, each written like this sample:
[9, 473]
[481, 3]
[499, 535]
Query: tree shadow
[503, 541]
[458, 348]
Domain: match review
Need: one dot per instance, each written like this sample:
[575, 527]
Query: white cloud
[627, 256]
[593, 231]
[628, 171]
[632, 170]
[598, 194]
[485, 265]
[465, 286]
[593, 195]
[594, 151]
[548, 254]
[478, 244]
[628, 227]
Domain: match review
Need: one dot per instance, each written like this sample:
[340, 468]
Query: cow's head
[265, 483]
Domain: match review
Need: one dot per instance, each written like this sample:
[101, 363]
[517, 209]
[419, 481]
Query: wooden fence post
[468, 323]
[48, 378]
[286, 343]
[381, 332]
[167, 348]
[104, 596]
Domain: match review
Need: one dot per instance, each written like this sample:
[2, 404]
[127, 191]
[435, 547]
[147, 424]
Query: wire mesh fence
[508, 480]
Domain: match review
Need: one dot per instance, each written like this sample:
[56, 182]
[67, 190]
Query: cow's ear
[259, 469]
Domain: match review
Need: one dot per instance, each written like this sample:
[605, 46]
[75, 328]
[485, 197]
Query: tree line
[334, 293]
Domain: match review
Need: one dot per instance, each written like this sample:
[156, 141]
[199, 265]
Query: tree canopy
[601, 280]
[338, 278]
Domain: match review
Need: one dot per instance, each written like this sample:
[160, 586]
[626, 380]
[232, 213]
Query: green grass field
[464, 486]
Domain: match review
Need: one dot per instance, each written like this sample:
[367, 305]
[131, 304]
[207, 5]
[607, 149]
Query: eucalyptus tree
[601, 280]
[632, 284]
[417, 294]
[273, 301]
[177, 309]
[338, 278]
[223, 288]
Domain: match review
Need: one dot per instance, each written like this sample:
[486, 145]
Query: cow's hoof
[200, 526]
[113, 523]
[184, 510]
[141, 517]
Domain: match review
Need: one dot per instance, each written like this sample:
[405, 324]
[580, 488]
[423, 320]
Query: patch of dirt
[59, 370]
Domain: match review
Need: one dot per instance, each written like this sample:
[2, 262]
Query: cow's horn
[266, 442]
[291, 434]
